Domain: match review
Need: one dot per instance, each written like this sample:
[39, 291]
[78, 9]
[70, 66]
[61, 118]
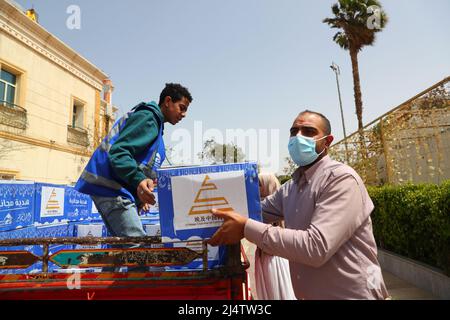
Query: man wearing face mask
[328, 238]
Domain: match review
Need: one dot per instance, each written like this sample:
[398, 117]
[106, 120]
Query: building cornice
[19, 26]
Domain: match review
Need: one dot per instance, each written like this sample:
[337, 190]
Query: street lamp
[337, 71]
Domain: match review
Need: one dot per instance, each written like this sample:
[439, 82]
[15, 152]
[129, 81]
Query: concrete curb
[420, 275]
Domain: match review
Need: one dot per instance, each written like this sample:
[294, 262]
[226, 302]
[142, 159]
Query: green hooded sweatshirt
[139, 133]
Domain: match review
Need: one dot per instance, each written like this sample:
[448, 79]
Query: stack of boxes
[42, 210]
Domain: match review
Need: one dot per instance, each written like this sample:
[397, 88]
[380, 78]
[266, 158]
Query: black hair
[326, 122]
[175, 91]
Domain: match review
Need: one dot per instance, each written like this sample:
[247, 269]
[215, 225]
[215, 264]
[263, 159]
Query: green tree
[290, 167]
[216, 153]
[358, 21]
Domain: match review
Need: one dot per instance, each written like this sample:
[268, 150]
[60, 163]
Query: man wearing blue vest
[119, 176]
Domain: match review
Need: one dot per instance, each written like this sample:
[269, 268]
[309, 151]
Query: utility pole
[337, 71]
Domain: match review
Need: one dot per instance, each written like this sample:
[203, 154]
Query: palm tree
[358, 21]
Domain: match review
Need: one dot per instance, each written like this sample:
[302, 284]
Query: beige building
[55, 106]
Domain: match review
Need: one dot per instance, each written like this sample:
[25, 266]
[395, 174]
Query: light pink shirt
[328, 238]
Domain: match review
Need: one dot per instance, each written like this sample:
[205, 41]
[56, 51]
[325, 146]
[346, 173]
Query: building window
[11, 114]
[8, 83]
[76, 132]
[78, 114]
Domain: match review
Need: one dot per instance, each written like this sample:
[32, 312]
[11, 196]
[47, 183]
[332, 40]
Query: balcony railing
[77, 136]
[13, 115]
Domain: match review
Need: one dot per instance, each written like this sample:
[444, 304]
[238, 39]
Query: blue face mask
[303, 150]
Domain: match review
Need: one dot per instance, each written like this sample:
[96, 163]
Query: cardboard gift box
[49, 203]
[16, 205]
[187, 195]
[79, 206]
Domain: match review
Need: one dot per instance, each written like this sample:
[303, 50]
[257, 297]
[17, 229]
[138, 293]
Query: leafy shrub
[414, 221]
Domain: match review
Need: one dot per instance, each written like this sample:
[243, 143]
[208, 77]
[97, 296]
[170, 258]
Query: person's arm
[339, 212]
[272, 207]
[140, 131]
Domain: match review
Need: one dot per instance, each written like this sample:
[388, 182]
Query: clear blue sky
[254, 63]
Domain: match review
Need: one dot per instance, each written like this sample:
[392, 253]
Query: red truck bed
[225, 283]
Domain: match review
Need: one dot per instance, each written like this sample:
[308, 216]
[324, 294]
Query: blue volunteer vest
[98, 178]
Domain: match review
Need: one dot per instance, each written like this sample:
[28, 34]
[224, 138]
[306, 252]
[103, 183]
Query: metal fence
[410, 143]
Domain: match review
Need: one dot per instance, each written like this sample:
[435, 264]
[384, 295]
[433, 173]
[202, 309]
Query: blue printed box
[152, 230]
[49, 203]
[88, 229]
[94, 214]
[150, 219]
[187, 195]
[28, 232]
[78, 206]
[153, 212]
[61, 230]
[16, 205]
